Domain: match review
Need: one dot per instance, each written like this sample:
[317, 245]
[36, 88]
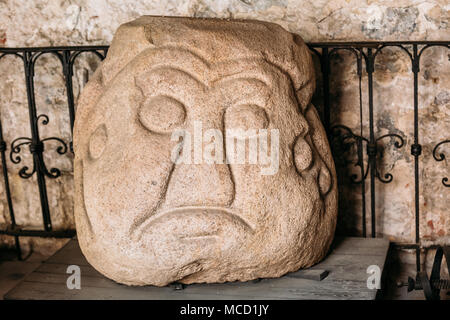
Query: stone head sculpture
[145, 217]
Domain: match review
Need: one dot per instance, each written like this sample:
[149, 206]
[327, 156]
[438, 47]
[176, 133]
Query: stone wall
[82, 22]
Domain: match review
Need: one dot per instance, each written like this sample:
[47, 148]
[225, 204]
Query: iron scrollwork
[36, 147]
[344, 138]
[343, 141]
[441, 157]
[397, 144]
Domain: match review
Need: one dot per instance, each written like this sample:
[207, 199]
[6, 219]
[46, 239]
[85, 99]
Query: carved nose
[200, 185]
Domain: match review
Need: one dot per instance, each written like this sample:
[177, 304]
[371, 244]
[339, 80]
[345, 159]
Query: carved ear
[82, 220]
[303, 155]
[303, 76]
[327, 176]
[87, 101]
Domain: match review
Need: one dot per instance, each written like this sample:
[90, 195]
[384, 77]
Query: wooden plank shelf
[343, 273]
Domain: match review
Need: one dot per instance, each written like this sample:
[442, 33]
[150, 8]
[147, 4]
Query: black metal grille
[29, 56]
[365, 54]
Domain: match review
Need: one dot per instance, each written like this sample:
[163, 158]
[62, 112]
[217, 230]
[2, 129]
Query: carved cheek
[97, 142]
[303, 155]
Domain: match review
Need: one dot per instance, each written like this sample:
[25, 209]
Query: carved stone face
[143, 218]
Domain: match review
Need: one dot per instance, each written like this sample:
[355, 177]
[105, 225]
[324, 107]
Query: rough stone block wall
[82, 22]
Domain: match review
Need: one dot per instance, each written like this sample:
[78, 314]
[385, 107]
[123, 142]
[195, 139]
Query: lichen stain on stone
[390, 21]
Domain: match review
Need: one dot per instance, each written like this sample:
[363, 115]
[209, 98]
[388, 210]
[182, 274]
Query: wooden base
[346, 265]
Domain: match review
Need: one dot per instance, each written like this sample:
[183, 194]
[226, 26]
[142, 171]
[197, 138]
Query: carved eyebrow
[168, 68]
[239, 77]
[154, 75]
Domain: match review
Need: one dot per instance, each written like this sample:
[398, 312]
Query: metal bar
[372, 146]
[5, 177]
[17, 231]
[36, 146]
[333, 44]
[360, 147]
[53, 49]
[416, 150]
[68, 73]
[372, 44]
[325, 64]
[8, 191]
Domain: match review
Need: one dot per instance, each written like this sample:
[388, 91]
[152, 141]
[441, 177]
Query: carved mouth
[193, 222]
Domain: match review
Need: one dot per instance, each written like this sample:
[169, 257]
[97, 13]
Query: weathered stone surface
[143, 219]
[82, 22]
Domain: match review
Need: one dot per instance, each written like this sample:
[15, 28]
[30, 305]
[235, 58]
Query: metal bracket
[432, 287]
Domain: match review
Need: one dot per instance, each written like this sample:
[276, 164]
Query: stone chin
[195, 255]
[140, 218]
[200, 244]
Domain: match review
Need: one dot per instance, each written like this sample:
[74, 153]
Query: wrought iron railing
[364, 53]
[67, 56]
[367, 52]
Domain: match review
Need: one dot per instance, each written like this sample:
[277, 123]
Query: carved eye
[246, 117]
[97, 142]
[161, 114]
